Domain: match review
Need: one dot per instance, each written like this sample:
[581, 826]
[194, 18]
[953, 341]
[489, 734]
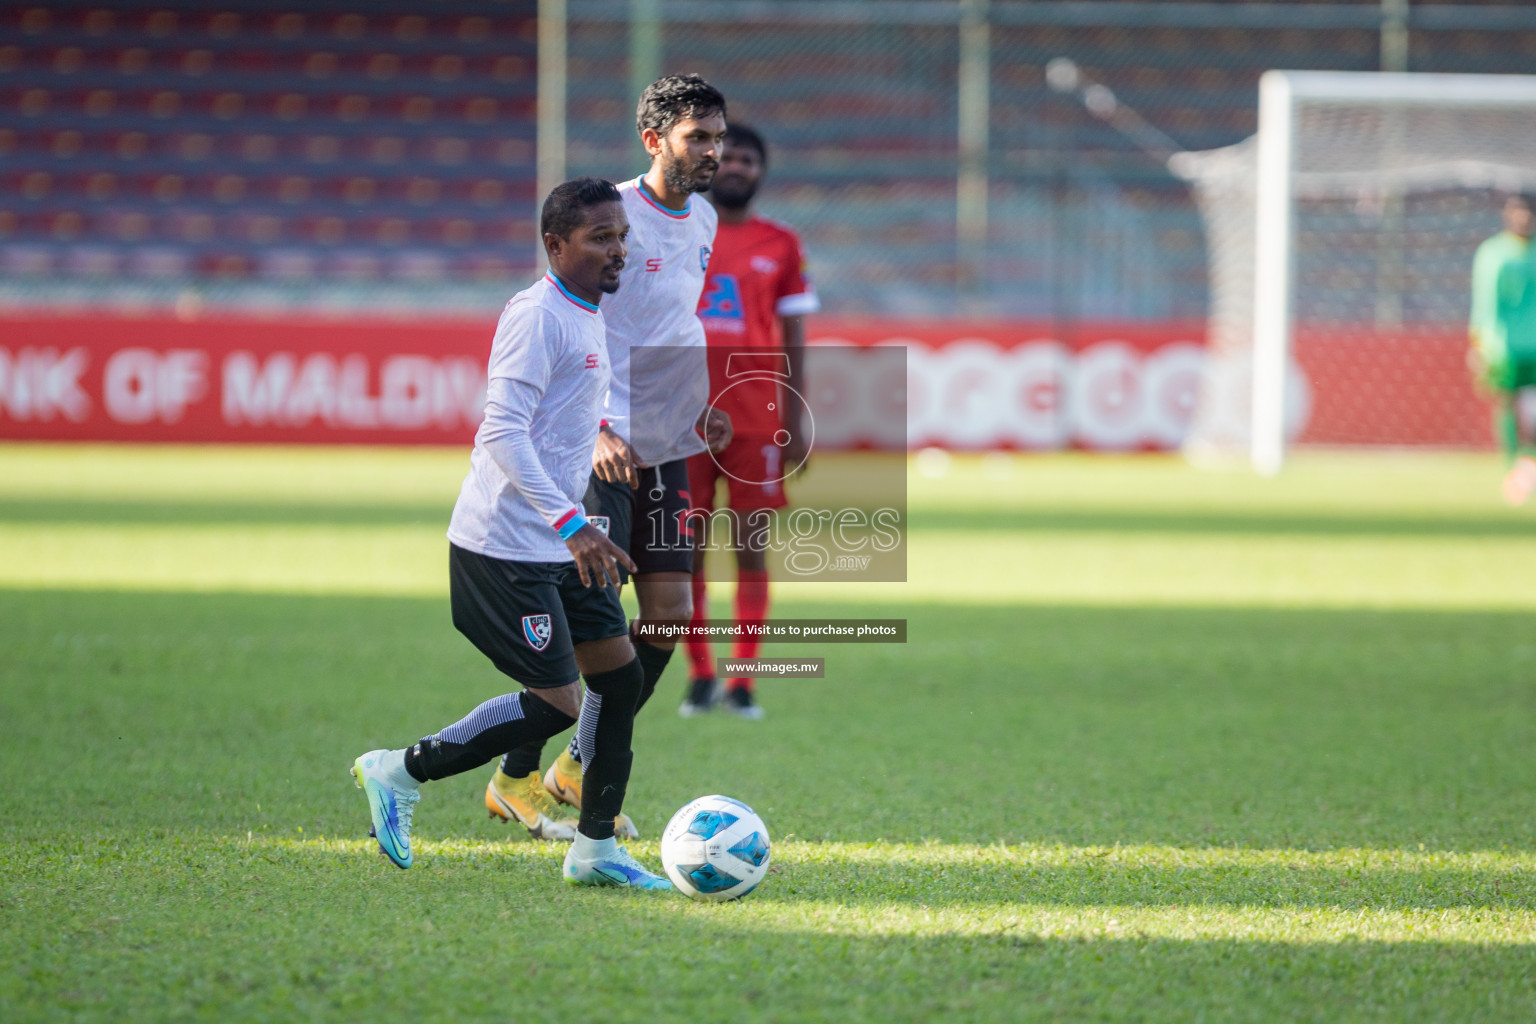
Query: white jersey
[547, 376]
[656, 396]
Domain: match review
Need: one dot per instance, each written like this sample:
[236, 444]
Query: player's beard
[608, 287]
[678, 172]
[725, 193]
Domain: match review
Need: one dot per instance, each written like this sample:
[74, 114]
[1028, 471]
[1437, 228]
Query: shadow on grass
[1300, 523]
[232, 513]
[1179, 727]
[242, 930]
[1495, 523]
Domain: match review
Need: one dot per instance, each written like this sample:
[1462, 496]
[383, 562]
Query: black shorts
[527, 617]
[650, 523]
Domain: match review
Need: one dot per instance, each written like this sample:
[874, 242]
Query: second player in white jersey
[656, 396]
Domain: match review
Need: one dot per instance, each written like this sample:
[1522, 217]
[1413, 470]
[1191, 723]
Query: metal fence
[933, 170]
[381, 157]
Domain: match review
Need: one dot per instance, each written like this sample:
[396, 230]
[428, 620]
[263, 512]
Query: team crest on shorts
[703, 257]
[601, 522]
[537, 630]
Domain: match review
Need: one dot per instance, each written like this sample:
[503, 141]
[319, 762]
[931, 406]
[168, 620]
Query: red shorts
[753, 468]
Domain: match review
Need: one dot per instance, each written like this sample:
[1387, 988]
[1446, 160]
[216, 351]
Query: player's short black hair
[741, 135]
[669, 100]
[1527, 198]
[564, 209]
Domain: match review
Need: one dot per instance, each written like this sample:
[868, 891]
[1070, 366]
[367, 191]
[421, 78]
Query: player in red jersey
[756, 295]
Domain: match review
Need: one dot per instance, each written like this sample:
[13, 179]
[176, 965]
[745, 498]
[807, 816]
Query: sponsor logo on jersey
[653, 264]
[722, 299]
[704, 257]
[765, 264]
[592, 361]
[601, 522]
[537, 630]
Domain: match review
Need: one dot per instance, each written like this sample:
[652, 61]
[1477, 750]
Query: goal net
[1340, 242]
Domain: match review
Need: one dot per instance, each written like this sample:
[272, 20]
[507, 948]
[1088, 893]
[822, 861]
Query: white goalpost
[1353, 214]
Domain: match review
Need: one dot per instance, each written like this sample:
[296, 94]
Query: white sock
[393, 763]
[588, 848]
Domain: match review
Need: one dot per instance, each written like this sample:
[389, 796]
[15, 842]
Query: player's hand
[597, 558]
[613, 460]
[716, 427]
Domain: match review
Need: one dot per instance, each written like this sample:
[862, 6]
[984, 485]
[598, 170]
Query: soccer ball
[715, 848]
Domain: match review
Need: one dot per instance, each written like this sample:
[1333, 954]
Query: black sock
[413, 763]
[522, 760]
[654, 661]
[606, 726]
[500, 724]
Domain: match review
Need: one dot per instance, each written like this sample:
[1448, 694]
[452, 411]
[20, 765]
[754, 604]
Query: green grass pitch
[1165, 744]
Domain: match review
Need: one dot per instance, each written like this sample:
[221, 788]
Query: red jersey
[756, 275]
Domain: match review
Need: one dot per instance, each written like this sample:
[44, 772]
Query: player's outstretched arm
[613, 459]
[597, 557]
[716, 427]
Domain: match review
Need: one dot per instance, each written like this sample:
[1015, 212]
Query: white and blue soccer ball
[715, 848]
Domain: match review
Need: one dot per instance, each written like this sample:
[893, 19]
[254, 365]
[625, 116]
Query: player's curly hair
[669, 100]
[564, 209]
[741, 135]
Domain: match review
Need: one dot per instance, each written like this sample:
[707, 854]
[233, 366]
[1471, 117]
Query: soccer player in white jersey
[532, 583]
[657, 412]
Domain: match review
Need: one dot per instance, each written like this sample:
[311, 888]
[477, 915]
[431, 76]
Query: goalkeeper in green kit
[1503, 332]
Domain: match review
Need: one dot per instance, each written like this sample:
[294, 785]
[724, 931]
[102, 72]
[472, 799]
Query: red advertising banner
[1106, 387]
[242, 380]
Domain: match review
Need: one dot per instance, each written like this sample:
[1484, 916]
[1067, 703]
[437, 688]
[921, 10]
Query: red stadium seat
[325, 229]
[226, 106]
[388, 231]
[474, 29]
[288, 26]
[68, 60]
[258, 228]
[100, 186]
[350, 26]
[226, 265]
[258, 148]
[229, 188]
[290, 106]
[355, 107]
[224, 25]
[35, 102]
[294, 189]
[359, 190]
[410, 28]
[67, 225]
[383, 66]
[456, 231]
[450, 152]
[161, 23]
[66, 144]
[35, 185]
[99, 22]
[168, 188]
[133, 61]
[479, 110]
[417, 109]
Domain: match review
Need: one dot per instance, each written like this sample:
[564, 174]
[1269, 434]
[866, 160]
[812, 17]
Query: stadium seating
[247, 141]
[393, 142]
